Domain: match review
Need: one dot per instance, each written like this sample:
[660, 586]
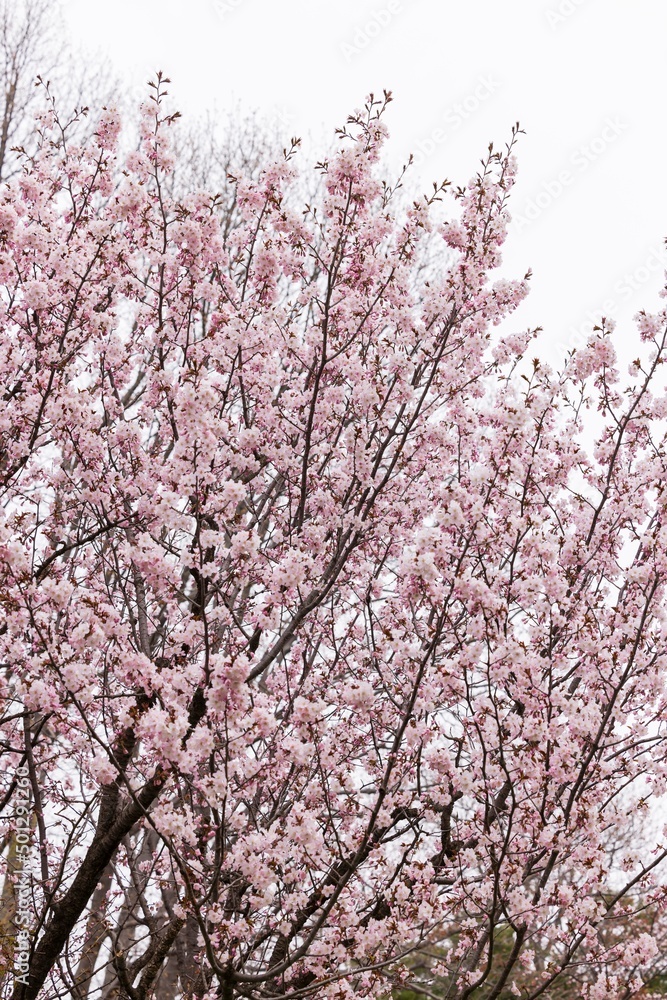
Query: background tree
[324, 635]
[34, 55]
[211, 152]
[24, 47]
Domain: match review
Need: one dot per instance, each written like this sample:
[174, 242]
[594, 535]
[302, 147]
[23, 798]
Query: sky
[584, 78]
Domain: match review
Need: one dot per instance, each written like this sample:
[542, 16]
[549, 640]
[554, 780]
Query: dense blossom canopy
[323, 635]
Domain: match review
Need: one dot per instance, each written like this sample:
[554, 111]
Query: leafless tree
[34, 56]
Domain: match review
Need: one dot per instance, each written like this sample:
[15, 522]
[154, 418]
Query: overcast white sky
[585, 78]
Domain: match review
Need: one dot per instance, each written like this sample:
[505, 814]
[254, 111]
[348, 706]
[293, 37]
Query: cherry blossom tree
[324, 633]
